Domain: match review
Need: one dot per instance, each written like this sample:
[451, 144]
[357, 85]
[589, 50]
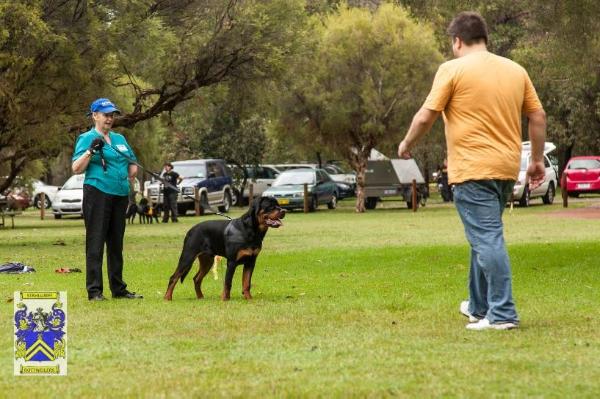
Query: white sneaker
[484, 324]
[464, 310]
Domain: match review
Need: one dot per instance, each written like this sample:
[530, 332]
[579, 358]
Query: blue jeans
[480, 205]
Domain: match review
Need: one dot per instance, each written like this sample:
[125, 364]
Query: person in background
[170, 194]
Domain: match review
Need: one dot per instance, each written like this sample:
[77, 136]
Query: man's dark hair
[169, 164]
[470, 27]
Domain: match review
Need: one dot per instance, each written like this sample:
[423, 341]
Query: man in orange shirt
[482, 97]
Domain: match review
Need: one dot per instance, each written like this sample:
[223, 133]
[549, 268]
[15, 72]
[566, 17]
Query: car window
[75, 182]
[323, 177]
[190, 170]
[217, 168]
[584, 164]
[547, 163]
[270, 173]
[295, 176]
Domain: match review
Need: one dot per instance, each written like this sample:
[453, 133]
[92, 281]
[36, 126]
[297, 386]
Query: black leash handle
[165, 182]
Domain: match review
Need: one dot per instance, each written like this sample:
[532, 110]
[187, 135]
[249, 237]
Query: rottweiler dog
[131, 211]
[239, 240]
[147, 211]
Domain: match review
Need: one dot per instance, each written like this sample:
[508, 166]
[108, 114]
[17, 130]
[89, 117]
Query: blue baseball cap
[103, 105]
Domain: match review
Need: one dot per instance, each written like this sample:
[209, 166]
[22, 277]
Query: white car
[49, 191]
[69, 199]
[261, 177]
[547, 189]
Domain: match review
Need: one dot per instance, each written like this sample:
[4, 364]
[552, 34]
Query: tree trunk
[360, 168]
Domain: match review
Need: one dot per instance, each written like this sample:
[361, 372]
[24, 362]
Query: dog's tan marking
[247, 252]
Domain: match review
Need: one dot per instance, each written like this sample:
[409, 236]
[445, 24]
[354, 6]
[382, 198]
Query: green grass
[359, 305]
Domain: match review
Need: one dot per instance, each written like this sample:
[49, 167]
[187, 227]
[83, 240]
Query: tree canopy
[368, 74]
[257, 80]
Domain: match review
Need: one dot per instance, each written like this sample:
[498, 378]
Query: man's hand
[403, 151]
[536, 173]
[96, 145]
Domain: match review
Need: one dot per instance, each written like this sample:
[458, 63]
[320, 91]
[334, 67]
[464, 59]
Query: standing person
[170, 194]
[105, 199]
[482, 97]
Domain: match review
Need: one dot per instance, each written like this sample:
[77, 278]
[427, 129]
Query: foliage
[365, 80]
[155, 53]
[563, 57]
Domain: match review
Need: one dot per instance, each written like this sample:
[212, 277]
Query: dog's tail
[186, 259]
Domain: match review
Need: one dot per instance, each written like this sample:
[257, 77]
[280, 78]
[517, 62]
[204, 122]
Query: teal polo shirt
[115, 180]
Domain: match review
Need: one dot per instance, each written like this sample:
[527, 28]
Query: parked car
[17, 196]
[69, 198]
[547, 189]
[288, 189]
[260, 176]
[345, 181]
[40, 187]
[582, 175]
[340, 175]
[212, 177]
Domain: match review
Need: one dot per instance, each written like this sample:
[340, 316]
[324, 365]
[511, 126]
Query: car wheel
[524, 201]
[235, 198]
[203, 201]
[57, 216]
[313, 204]
[549, 197]
[370, 202]
[226, 203]
[47, 202]
[333, 203]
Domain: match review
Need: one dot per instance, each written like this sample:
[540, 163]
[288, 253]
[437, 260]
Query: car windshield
[75, 182]
[584, 164]
[190, 170]
[293, 177]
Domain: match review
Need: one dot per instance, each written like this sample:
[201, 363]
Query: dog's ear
[249, 218]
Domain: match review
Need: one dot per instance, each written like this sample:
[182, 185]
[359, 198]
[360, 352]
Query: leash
[204, 205]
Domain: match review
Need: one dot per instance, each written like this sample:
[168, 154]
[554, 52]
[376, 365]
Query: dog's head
[266, 212]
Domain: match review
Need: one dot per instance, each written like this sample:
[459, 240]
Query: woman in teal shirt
[105, 198]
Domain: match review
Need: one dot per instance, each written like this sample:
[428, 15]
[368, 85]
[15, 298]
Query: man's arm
[536, 172]
[421, 124]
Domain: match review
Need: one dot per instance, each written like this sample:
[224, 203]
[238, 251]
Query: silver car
[69, 199]
[547, 189]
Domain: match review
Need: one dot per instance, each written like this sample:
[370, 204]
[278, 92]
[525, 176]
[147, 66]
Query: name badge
[121, 147]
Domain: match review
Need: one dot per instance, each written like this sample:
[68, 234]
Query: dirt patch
[590, 212]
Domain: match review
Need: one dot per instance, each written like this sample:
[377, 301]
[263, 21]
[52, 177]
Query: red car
[583, 175]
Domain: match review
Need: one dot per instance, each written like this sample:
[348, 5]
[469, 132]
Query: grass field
[345, 305]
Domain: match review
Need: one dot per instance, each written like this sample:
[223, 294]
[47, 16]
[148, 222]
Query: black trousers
[104, 217]
[170, 204]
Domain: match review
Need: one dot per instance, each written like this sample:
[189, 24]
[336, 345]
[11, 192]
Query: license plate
[283, 201]
[583, 186]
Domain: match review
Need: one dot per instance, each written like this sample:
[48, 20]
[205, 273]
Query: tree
[366, 77]
[563, 58]
[156, 53]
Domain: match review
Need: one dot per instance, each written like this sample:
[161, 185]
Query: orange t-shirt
[482, 97]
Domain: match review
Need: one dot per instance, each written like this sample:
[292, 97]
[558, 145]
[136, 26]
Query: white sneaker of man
[484, 324]
[464, 310]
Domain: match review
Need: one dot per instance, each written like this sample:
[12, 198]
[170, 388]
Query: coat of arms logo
[40, 333]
